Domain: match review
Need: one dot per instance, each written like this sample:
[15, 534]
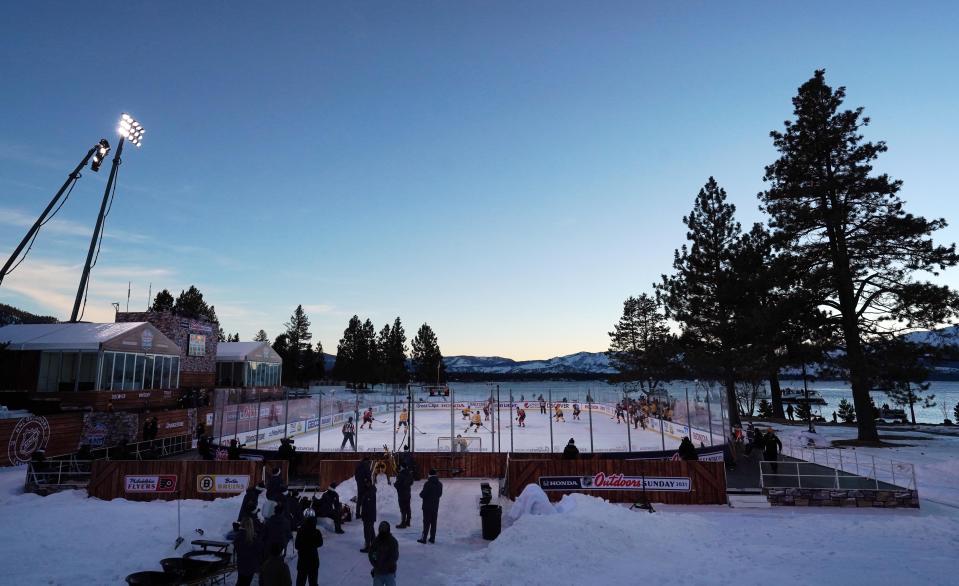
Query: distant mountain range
[594, 363]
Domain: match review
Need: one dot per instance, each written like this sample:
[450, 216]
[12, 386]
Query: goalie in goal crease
[459, 443]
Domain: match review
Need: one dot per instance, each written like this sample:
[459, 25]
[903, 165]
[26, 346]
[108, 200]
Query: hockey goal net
[465, 443]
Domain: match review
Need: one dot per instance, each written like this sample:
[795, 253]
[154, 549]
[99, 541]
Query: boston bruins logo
[30, 434]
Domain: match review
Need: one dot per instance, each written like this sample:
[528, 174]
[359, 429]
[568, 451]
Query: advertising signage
[603, 481]
[150, 483]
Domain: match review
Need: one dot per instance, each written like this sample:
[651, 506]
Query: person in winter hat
[274, 571]
[383, 555]
[571, 452]
[308, 541]
[431, 493]
[403, 485]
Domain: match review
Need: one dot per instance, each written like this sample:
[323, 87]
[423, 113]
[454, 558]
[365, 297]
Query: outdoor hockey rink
[428, 426]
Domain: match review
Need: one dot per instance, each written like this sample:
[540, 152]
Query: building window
[197, 345]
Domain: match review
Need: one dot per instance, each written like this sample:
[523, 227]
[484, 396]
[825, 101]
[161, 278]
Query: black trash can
[492, 518]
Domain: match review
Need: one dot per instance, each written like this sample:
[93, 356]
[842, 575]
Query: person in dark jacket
[274, 571]
[687, 451]
[368, 504]
[404, 485]
[293, 509]
[274, 485]
[248, 547]
[431, 493]
[251, 501]
[363, 475]
[771, 448]
[203, 448]
[328, 507]
[308, 541]
[406, 457]
[570, 452]
[277, 529]
[235, 449]
[287, 451]
[383, 554]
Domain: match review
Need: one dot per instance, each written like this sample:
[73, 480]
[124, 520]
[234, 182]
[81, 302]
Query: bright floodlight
[130, 129]
[103, 149]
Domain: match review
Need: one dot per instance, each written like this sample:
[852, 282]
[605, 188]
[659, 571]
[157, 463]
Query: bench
[216, 545]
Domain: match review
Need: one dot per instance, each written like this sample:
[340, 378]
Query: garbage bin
[492, 518]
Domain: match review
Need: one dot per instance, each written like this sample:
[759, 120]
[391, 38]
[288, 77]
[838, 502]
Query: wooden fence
[694, 483]
[191, 479]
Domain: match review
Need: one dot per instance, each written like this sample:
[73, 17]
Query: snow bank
[532, 501]
[596, 541]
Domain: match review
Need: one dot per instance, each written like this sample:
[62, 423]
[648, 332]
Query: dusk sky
[508, 172]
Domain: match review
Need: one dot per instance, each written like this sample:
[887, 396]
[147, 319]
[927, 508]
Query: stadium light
[130, 129]
[102, 150]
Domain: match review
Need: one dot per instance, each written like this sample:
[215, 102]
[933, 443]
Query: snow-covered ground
[68, 538]
[430, 425]
[935, 455]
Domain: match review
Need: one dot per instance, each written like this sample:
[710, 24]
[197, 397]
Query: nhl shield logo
[30, 434]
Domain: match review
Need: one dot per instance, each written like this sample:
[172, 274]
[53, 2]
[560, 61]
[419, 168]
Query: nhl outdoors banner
[160, 483]
[603, 481]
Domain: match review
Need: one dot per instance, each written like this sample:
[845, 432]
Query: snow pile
[532, 501]
[595, 541]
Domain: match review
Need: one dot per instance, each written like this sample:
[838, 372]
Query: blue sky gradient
[507, 171]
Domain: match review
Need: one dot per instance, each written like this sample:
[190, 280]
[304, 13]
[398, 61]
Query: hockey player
[486, 408]
[542, 405]
[466, 413]
[576, 411]
[620, 414]
[521, 416]
[558, 413]
[367, 418]
[349, 433]
[475, 421]
[404, 419]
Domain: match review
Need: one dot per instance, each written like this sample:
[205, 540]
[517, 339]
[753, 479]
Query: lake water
[832, 391]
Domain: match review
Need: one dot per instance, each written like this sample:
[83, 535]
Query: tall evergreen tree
[382, 353]
[281, 345]
[261, 336]
[641, 348]
[319, 364]
[370, 356]
[835, 214]
[427, 358]
[902, 368]
[298, 338]
[396, 372]
[163, 301]
[190, 303]
[703, 293]
[349, 353]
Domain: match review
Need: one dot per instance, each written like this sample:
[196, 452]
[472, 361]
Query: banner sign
[158, 483]
[222, 483]
[603, 481]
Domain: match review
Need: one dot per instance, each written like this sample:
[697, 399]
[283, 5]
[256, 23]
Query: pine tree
[319, 364]
[901, 368]
[349, 353]
[955, 413]
[220, 334]
[427, 359]
[765, 409]
[847, 413]
[281, 345]
[299, 346]
[371, 362]
[382, 353]
[190, 303]
[703, 293]
[641, 348]
[163, 301]
[261, 336]
[829, 208]
[803, 411]
[396, 372]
